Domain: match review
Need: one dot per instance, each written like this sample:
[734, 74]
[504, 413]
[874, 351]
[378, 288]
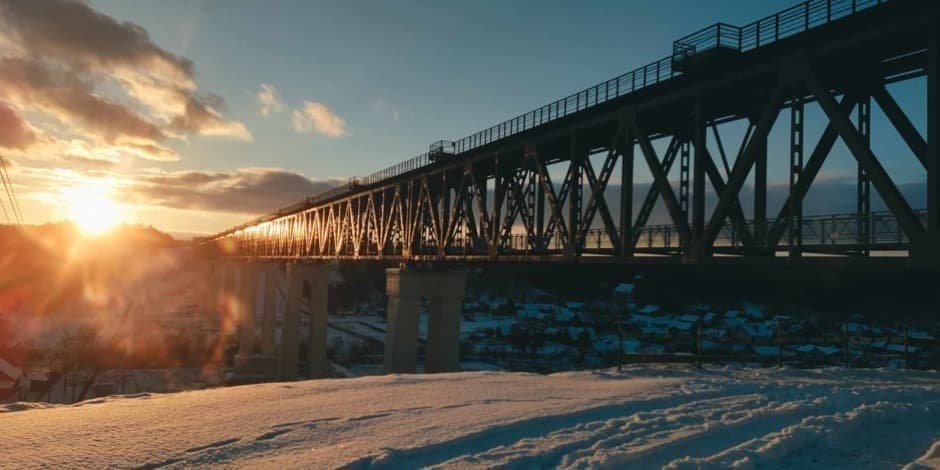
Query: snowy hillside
[644, 417]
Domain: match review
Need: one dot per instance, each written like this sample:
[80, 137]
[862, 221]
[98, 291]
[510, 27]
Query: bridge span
[492, 195]
[496, 195]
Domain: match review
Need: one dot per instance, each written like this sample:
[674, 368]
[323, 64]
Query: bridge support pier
[255, 357]
[445, 291]
[318, 277]
[445, 310]
[315, 278]
[271, 273]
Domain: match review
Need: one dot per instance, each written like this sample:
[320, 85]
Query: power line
[11, 192]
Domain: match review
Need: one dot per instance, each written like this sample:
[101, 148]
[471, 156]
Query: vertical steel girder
[863, 192]
[626, 192]
[932, 160]
[684, 165]
[795, 221]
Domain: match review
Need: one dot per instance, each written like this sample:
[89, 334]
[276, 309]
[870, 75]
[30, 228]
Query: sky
[197, 115]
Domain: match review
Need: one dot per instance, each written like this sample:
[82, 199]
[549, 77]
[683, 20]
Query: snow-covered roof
[919, 335]
[648, 309]
[574, 332]
[9, 371]
[688, 318]
[654, 330]
[624, 288]
[564, 314]
[709, 316]
[574, 305]
[899, 348]
[770, 351]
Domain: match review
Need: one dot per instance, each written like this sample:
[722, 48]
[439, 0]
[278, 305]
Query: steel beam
[863, 154]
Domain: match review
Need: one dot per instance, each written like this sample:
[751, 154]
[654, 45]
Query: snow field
[645, 417]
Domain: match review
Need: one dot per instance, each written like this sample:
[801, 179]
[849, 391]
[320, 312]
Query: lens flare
[92, 210]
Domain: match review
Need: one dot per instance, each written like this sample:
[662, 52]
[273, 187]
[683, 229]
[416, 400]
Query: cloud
[105, 79]
[317, 117]
[269, 100]
[73, 31]
[201, 116]
[59, 92]
[15, 133]
[242, 191]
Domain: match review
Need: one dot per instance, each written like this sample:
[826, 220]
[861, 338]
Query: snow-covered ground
[645, 417]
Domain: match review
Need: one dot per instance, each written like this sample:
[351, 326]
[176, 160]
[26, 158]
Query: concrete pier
[444, 290]
[316, 280]
[271, 274]
[405, 288]
[245, 305]
[289, 348]
[445, 311]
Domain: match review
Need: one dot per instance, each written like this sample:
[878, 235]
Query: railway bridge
[559, 183]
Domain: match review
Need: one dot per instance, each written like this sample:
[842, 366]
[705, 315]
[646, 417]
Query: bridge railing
[878, 230]
[791, 21]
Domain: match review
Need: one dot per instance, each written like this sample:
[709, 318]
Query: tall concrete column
[246, 299]
[290, 329]
[445, 309]
[209, 281]
[404, 288]
[228, 312]
[318, 277]
[268, 344]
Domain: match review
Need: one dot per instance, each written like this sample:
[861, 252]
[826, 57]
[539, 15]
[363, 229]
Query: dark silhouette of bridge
[492, 195]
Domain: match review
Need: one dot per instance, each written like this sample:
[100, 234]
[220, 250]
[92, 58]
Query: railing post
[806, 15]
[776, 26]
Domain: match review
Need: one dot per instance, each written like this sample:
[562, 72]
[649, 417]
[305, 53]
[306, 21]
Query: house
[624, 289]
[9, 380]
[688, 318]
[553, 349]
[564, 315]
[771, 351]
[648, 309]
[575, 332]
[606, 344]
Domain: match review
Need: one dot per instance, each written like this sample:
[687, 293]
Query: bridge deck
[490, 195]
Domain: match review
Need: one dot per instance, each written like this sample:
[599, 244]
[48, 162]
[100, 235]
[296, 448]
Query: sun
[94, 212]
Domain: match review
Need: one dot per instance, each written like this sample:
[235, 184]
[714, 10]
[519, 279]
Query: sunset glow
[92, 210]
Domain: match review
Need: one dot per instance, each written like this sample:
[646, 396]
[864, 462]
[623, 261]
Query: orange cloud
[317, 117]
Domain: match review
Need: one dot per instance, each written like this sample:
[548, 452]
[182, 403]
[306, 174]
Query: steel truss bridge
[491, 195]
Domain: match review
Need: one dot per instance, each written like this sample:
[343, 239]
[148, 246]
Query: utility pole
[698, 342]
[845, 345]
[906, 327]
[620, 337]
[779, 344]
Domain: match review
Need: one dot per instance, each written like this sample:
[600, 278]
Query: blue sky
[392, 76]
[447, 68]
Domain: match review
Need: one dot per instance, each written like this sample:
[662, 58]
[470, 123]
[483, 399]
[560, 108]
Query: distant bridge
[492, 195]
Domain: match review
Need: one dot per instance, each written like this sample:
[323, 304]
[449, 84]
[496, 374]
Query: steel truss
[507, 199]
